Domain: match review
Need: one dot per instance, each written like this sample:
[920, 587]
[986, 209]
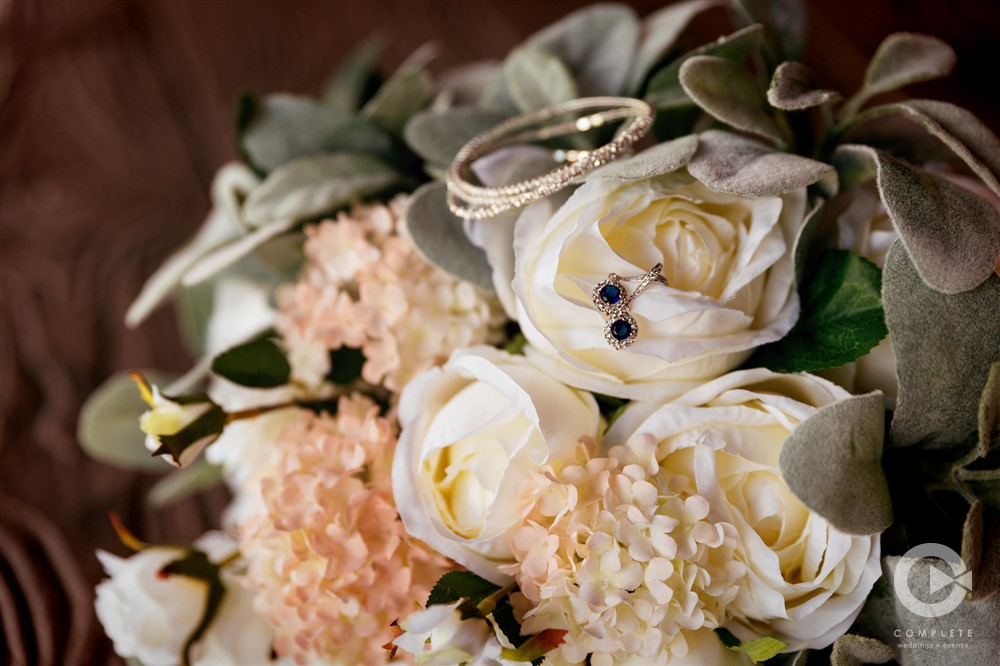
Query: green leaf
[903, 58]
[727, 162]
[399, 99]
[108, 429]
[280, 128]
[785, 23]
[759, 649]
[440, 237]
[198, 567]
[221, 258]
[665, 91]
[346, 88]
[196, 477]
[840, 321]
[851, 650]
[536, 79]
[945, 346]
[729, 94]
[308, 187]
[257, 364]
[793, 88]
[964, 134]
[438, 135]
[194, 310]
[516, 345]
[345, 365]
[655, 161]
[597, 44]
[832, 461]
[456, 585]
[658, 33]
[199, 433]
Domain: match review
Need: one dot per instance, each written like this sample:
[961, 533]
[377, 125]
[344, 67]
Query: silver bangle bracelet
[478, 202]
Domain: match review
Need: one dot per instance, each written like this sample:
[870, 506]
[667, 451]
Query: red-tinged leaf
[536, 646]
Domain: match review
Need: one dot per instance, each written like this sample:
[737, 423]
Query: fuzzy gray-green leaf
[658, 32]
[981, 549]
[793, 88]
[785, 21]
[665, 90]
[597, 44]
[730, 163]
[108, 429]
[346, 89]
[728, 93]
[655, 161]
[852, 650]
[282, 127]
[196, 477]
[399, 99]
[311, 186]
[438, 135]
[441, 238]
[944, 347]
[537, 79]
[903, 58]
[952, 234]
[832, 461]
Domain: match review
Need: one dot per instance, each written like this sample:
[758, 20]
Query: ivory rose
[728, 262]
[806, 580]
[472, 434]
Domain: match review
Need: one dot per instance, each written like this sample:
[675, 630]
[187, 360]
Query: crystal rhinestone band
[478, 202]
[611, 298]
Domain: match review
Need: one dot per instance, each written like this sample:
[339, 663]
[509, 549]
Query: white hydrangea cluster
[623, 556]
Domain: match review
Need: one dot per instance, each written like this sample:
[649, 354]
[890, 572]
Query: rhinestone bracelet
[478, 202]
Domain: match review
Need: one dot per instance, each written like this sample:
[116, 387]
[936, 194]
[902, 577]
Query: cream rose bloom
[806, 580]
[728, 261]
[150, 617]
[472, 434]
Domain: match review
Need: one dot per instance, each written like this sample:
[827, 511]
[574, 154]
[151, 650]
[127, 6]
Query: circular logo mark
[936, 580]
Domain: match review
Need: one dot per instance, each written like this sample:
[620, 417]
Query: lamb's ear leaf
[852, 650]
[793, 88]
[981, 549]
[785, 21]
[729, 94]
[952, 234]
[438, 135]
[657, 160]
[945, 346]
[346, 89]
[597, 44]
[441, 239]
[658, 32]
[832, 461]
[536, 79]
[902, 58]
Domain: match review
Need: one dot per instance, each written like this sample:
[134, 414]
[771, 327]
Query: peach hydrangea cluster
[624, 556]
[366, 286]
[326, 553]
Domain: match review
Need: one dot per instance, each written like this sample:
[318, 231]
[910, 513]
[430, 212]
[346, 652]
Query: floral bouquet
[616, 352]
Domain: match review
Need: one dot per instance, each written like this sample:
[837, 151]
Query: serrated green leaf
[456, 585]
[308, 187]
[346, 88]
[902, 58]
[108, 429]
[198, 567]
[832, 461]
[840, 321]
[793, 88]
[536, 79]
[345, 365]
[438, 135]
[257, 364]
[729, 94]
[440, 237]
[196, 477]
[758, 650]
[665, 91]
[944, 347]
[597, 44]
[281, 128]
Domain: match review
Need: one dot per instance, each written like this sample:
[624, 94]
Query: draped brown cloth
[115, 115]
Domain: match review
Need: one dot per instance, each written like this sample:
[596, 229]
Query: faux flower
[472, 434]
[438, 636]
[325, 550]
[149, 616]
[177, 428]
[366, 286]
[623, 557]
[806, 580]
[727, 260]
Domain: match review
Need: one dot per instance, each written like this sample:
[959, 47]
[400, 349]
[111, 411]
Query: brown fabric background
[115, 115]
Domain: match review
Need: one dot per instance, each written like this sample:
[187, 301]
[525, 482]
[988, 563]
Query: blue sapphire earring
[612, 299]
